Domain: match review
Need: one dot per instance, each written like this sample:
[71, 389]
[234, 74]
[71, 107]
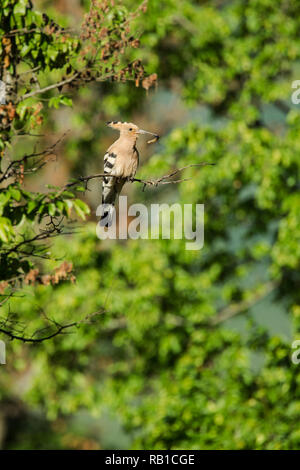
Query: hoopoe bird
[121, 161]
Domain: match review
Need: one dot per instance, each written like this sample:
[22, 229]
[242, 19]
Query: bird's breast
[126, 165]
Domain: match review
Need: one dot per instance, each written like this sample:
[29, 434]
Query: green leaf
[68, 205]
[51, 209]
[20, 7]
[66, 101]
[31, 206]
[16, 193]
[6, 230]
[53, 53]
[25, 49]
[4, 198]
[81, 208]
[21, 109]
[54, 102]
[60, 206]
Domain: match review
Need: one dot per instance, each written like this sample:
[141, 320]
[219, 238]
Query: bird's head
[129, 129]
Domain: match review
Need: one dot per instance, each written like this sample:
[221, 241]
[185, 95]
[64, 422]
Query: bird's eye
[130, 129]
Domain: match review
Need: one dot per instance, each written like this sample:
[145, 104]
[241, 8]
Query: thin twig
[149, 182]
[59, 329]
[49, 87]
[43, 153]
[236, 309]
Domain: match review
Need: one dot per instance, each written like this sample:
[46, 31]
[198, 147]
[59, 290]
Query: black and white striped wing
[109, 189]
[108, 183]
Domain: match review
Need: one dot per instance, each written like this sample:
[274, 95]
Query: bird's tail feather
[110, 191]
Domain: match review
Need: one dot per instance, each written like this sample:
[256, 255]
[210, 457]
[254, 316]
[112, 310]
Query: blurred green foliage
[163, 356]
[39, 48]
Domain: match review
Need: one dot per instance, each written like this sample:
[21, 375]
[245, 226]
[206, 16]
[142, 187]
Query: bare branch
[149, 182]
[237, 308]
[58, 329]
[10, 170]
[50, 87]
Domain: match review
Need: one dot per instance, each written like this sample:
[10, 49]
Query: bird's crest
[123, 126]
[130, 129]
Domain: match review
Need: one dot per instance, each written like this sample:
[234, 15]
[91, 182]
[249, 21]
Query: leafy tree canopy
[166, 351]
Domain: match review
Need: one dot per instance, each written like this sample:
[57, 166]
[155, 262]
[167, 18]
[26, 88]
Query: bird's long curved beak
[141, 131]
